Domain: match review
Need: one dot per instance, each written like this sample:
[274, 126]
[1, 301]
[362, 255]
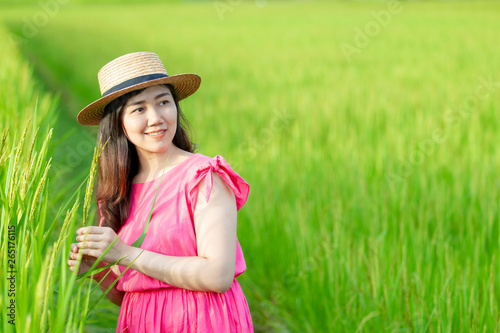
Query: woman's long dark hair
[119, 163]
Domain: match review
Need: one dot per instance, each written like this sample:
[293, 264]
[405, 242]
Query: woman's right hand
[86, 263]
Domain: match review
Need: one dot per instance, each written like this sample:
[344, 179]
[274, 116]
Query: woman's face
[149, 120]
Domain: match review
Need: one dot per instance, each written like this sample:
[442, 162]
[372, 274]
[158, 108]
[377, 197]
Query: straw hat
[131, 72]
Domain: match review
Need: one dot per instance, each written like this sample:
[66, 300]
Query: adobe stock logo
[372, 29]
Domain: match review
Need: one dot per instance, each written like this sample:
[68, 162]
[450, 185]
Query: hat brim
[184, 85]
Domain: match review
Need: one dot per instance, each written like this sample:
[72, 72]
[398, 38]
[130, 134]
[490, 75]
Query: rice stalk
[19, 151]
[38, 190]
[90, 182]
[29, 167]
[3, 158]
[70, 215]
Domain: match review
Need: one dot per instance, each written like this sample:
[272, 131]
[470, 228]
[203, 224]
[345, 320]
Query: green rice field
[367, 130]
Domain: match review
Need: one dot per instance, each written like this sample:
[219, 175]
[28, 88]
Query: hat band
[133, 82]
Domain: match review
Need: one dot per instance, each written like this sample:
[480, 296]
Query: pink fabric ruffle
[218, 164]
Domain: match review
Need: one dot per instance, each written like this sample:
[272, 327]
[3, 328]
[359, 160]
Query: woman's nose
[154, 117]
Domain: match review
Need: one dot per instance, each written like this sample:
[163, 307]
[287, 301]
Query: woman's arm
[212, 270]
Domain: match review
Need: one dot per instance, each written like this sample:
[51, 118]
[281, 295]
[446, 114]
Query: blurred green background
[367, 131]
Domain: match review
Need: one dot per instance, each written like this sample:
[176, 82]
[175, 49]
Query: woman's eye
[137, 110]
[164, 102]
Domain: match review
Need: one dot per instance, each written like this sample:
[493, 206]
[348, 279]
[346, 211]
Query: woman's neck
[152, 166]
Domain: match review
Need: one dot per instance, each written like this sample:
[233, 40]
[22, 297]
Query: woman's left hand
[93, 241]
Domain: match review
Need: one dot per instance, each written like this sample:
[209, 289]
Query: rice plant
[38, 291]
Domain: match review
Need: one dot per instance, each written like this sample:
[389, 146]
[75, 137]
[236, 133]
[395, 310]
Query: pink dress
[150, 305]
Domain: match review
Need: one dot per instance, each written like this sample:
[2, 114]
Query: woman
[182, 277]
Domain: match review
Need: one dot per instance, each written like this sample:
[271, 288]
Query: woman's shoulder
[195, 160]
[193, 163]
[200, 158]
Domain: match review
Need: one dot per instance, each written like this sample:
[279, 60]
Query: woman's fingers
[75, 256]
[89, 246]
[88, 237]
[72, 264]
[93, 241]
[83, 252]
[92, 230]
[86, 252]
[74, 251]
[90, 253]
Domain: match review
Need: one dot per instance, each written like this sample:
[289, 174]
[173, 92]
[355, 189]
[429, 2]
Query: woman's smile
[156, 133]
